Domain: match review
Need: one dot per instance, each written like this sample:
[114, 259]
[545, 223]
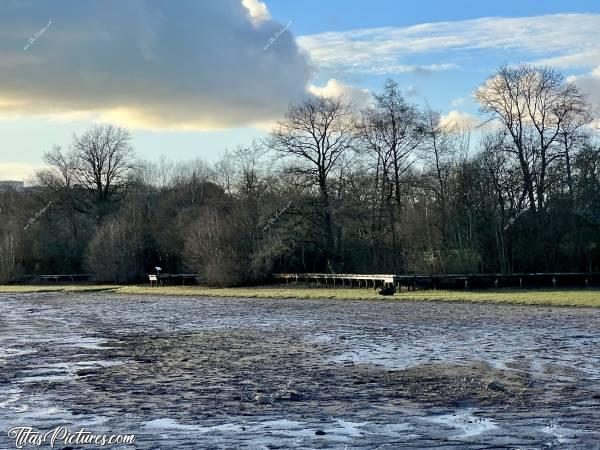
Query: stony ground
[191, 373]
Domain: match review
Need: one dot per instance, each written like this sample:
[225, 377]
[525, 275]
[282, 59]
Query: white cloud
[590, 84]
[465, 121]
[583, 58]
[258, 10]
[200, 65]
[565, 39]
[460, 119]
[360, 98]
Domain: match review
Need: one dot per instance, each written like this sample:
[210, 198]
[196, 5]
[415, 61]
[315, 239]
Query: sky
[193, 78]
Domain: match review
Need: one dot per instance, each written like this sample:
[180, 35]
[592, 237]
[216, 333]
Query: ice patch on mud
[11, 399]
[384, 355]
[171, 424]
[64, 371]
[37, 410]
[347, 428]
[89, 343]
[319, 338]
[13, 353]
[561, 435]
[465, 423]
[49, 377]
[511, 350]
[283, 426]
[265, 431]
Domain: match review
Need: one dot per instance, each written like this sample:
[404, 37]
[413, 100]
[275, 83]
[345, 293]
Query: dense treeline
[392, 188]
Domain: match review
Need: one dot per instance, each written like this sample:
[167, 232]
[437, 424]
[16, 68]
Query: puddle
[465, 423]
[170, 424]
[257, 432]
[561, 435]
[50, 378]
[13, 353]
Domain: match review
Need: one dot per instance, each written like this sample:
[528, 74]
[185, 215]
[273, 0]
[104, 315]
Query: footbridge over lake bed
[450, 281]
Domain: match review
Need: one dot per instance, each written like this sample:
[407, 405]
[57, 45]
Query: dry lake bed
[193, 373]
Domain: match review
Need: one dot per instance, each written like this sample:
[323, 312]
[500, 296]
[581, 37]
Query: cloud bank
[190, 64]
[202, 64]
[565, 40]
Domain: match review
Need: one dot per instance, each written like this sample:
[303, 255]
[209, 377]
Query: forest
[392, 188]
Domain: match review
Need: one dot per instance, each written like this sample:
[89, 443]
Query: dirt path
[222, 373]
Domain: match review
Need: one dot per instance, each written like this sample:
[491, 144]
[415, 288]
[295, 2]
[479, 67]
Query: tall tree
[103, 160]
[390, 132]
[439, 149]
[533, 105]
[317, 133]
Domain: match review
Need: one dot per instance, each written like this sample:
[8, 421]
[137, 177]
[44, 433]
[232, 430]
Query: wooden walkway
[339, 279]
[182, 279]
[450, 281]
[57, 278]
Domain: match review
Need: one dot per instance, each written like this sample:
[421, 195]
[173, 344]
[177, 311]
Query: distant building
[8, 185]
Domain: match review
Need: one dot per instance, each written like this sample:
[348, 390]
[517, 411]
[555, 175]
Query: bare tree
[165, 169]
[193, 180]
[502, 174]
[317, 132]
[225, 172]
[61, 173]
[391, 131]
[160, 174]
[252, 169]
[103, 160]
[573, 136]
[533, 105]
[439, 150]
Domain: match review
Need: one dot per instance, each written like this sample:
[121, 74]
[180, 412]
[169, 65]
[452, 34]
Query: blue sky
[315, 16]
[193, 78]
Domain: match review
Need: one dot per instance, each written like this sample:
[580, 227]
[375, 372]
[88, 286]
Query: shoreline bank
[554, 297]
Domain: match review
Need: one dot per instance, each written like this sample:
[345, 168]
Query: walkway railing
[461, 281]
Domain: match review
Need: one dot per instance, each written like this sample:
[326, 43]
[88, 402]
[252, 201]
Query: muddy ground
[246, 373]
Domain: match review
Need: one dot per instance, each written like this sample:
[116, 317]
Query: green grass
[23, 289]
[555, 297]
